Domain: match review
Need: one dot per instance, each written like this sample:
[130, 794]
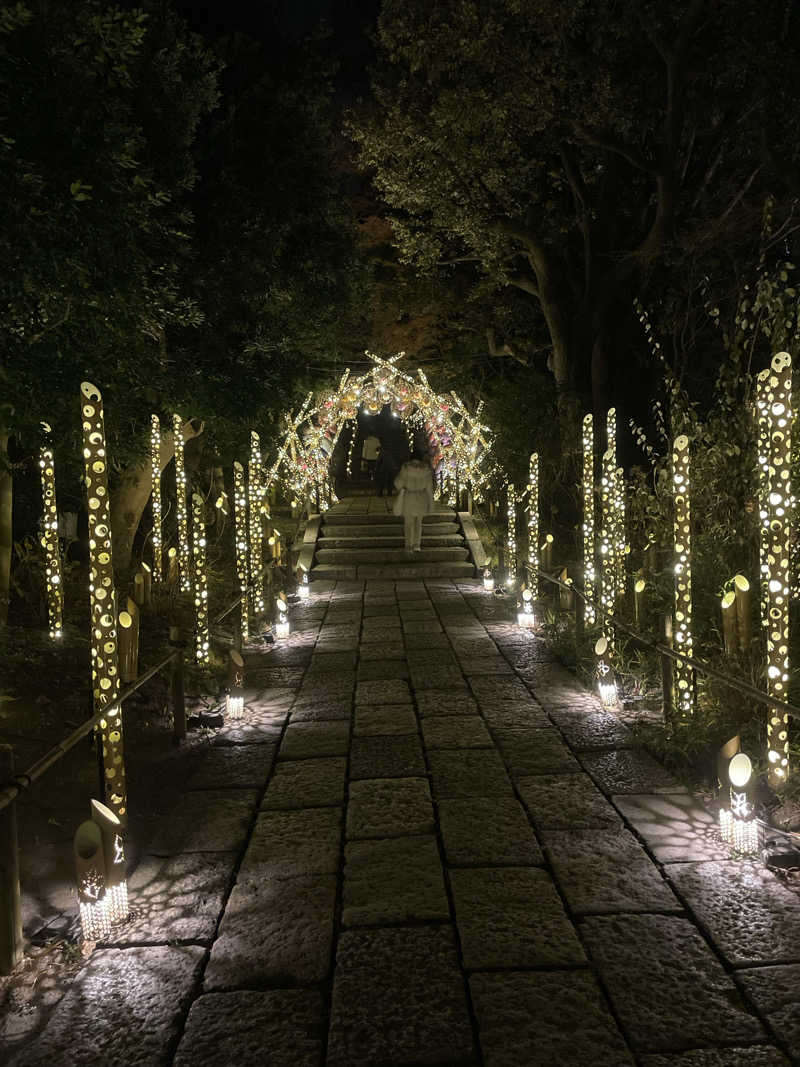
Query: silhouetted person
[385, 471]
[414, 484]
[369, 454]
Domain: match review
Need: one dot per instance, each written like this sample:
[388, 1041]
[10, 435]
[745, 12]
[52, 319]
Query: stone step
[379, 518]
[330, 572]
[394, 540]
[389, 555]
[393, 529]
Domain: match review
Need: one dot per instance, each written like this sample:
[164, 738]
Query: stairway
[361, 538]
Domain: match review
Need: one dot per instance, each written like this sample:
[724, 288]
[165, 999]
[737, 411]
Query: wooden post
[667, 672]
[176, 640]
[10, 913]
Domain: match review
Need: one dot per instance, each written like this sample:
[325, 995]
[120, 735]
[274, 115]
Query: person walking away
[385, 471]
[369, 454]
[414, 485]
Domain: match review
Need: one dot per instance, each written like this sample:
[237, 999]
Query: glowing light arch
[459, 443]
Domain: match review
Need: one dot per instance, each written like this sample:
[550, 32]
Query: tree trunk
[6, 531]
[130, 497]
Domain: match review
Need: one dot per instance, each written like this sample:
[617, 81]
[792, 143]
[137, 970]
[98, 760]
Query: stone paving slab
[383, 692]
[519, 715]
[327, 687]
[368, 653]
[750, 915]
[455, 731]
[233, 767]
[307, 783]
[393, 880]
[384, 720]
[304, 740]
[487, 665]
[398, 998]
[383, 670]
[557, 1019]
[497, 688]
[666, 986]
[125, 1007]
[389, 807]
[468, 772]
[176, 898]
[596, 730]
[754, 1056]
[386, 757]
[281, 1027]
[274, 932]
[290, 844]
[565, 802]
[315, 711]
[415, 641]
[512, 917]
[205, 821]
[487, 832]
[258, 727]
[676, 827]
[432, 702]
[451, 678]
[529, 752]
[606, 871]
[776, 993]
[324, 662]
[630, 771]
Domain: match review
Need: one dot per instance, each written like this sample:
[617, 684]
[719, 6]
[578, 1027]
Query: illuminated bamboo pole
[55, 589]
[202, 644]
[256, 527]
[616, 498]
[684, 675]
[533, 527]
[240, 537]
[588, 518]
[182, 509]
[155, 470]
[105, 672]
[606, 537]
[776, 502]
[511, 550]
[763, 402]
[116, 884]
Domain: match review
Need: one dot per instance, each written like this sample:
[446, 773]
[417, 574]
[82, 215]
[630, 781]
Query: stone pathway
[426, 844]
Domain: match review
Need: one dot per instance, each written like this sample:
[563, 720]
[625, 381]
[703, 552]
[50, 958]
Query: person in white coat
[414, 485]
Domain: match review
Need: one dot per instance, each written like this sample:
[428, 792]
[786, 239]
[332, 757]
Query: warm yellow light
[155, 475]
[202, 640]
[55, 596]
[241, 543]
[684, 675]
[739, 770]
[588, 519]
[256, 499]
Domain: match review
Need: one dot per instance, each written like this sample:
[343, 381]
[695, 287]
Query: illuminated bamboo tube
[55, 589]
[143, 585]
[639, 589]
[511, 537]
[615, 522]
[763, 402]
[90, 877]
[684, 675]
[533, 528]
[129, 642]
[240, 538]
[114, 861]
[256, 527]
[588, 519]
[606, 541]
[105, 671]
[182, 509]
[777, 503]
[155, 471]
[202, 642]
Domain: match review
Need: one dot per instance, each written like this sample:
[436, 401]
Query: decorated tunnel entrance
[458, 443]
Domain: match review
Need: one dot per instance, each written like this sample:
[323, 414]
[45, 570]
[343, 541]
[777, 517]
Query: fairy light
[684, 675]
[525, 610]
[533, 526]
[116, 884]
[282, 625]
[588, 518]
[511, 534]
[202, 645]
[615, 520]
[256, 527]
[155, 471]
[240, 538]
[90, 876]
[606, 540]
[105, 669]
[55, 589]
[737, 822]
[776, 512]
[182, 508]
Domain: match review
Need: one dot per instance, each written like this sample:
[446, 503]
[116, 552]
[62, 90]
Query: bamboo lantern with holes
[684, 675]
[105, 671]
[588, 519]
[256, 526]
[55, 591]
[511, 534]
[182, 509]
[202, 640]
[534, 562]
[129, 642]
[729, 627]
[90, 876]
[155, 474]
[241, 540]
[114, 861]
